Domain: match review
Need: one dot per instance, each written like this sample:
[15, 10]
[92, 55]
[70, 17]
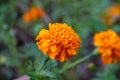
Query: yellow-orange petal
[26, 17]
[62, 55]
[42, 34]
[53, 48]
[106, 59]
[41, 13]
[51, 55]
[71, 52]
[34, 13]
[117, 53]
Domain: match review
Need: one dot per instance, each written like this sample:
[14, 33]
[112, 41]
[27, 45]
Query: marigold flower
[112, 14]
[60, 42]
[33, 14]
[109, 46]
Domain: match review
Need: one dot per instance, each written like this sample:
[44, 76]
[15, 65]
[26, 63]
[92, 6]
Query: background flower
[112, 15]
[33, 14]
[109, 46]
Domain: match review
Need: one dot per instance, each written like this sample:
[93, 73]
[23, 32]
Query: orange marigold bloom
[112, 14]
[33, 14]
[109, 46]
[60, 42]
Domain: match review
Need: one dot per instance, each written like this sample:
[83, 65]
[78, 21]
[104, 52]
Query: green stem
[70, 65]
[44, 62]
[39, 68]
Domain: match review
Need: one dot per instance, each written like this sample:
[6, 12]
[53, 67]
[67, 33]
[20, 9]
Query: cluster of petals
[112, 15]
[108, 44]
[60, 42]
[33, 14]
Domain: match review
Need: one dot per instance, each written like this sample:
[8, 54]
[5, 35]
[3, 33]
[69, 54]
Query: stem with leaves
[70, 65]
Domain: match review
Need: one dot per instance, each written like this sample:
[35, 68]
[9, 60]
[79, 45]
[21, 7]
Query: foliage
[19, 54]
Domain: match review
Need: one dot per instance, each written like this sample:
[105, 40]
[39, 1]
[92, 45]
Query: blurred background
[21, 21]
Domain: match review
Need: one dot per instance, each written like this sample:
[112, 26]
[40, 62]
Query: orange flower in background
[60, 42]
[112, 15]
[33, 14]
[109, 46]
